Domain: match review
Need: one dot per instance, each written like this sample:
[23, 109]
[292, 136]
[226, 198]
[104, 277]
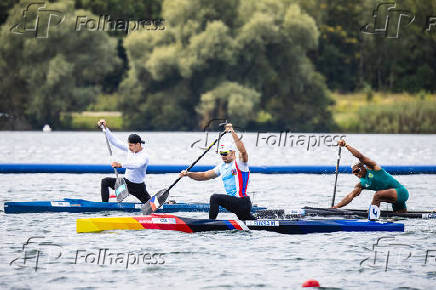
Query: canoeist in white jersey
[135, 164]
[234, 174]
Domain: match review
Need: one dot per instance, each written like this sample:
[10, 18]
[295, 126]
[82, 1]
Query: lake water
[213, 260]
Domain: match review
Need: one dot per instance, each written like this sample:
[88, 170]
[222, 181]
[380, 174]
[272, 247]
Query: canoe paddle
[159, 198]
[336, 177]
[121, 190]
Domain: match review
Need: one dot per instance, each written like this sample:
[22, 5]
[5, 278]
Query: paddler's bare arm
[206, 175]
[241, 148]
[362, 158]
[349, 197]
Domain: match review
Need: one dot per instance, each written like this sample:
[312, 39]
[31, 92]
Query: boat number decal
[60, 203]
[163, 220]
[261, 223]
[138, 205]
[429, 215]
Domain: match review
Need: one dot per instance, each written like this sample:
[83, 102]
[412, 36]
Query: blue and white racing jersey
[235, 176]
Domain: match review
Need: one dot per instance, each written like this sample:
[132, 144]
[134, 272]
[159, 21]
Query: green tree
[42, 77]
[125, 10]
[5, 5]
[349, 59]
[229, 100]
[231, 58]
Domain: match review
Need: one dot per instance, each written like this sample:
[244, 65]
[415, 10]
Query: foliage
[87, 121]
[229, 100]
[42, 77]
[416, 117]
[105, 102]
[385, 113]
[225, 59]
[266, 64]
[122, 9]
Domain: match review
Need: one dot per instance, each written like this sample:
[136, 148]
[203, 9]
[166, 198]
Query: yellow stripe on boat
[92, 225]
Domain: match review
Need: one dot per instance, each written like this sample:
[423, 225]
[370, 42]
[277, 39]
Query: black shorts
[241, 206]
[139, 190]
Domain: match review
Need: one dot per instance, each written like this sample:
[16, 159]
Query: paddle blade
[121, 190]
[155, 202]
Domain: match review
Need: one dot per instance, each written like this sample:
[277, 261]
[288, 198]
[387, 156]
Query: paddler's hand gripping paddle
[121, 190]
[159, 198]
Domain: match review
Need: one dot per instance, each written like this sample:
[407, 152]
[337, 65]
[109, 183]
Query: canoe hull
[188, 225]
[314, 211]
[84, 206]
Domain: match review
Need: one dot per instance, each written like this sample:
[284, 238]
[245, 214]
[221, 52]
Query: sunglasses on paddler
[224, 153]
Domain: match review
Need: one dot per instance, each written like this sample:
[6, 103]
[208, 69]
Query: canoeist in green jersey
[373, 177]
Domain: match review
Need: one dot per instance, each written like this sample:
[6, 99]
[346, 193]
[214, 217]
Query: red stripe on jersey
[243, 178]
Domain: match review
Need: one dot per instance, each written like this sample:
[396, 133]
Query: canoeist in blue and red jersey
[373, 177]
[235, 175]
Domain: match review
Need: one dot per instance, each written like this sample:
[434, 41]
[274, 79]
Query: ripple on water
[216, 259]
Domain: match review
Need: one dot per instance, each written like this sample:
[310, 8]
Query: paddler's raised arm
[362, 158]
[241, 148]
[112, 139]
[349, 197]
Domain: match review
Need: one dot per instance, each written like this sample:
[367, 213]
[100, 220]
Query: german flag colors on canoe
[188, 225]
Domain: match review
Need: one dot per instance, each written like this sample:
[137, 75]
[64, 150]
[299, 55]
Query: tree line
[267, 64]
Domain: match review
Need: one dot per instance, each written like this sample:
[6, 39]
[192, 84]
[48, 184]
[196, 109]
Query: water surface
[211, 260]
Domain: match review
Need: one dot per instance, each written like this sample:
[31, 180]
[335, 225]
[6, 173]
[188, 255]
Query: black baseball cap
[134, 139]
